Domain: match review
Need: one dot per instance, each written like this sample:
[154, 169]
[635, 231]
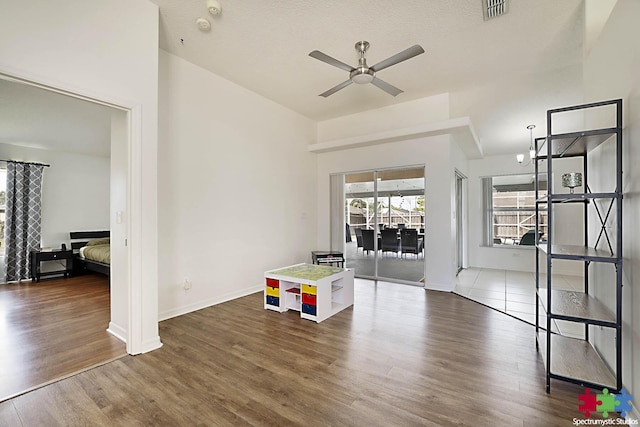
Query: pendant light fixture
[532, 150]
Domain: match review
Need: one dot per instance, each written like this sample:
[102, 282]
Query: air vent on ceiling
[494, 8]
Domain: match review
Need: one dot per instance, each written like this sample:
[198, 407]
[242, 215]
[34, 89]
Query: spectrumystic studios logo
[605, 403]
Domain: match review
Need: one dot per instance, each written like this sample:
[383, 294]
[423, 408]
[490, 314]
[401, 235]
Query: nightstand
[36, 257]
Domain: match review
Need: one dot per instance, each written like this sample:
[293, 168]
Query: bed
[92, 251]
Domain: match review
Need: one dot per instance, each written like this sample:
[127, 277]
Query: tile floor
[514, 293]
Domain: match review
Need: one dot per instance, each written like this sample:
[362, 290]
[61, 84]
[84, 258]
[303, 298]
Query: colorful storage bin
[309, 309]
[309, 289]
[309, 299]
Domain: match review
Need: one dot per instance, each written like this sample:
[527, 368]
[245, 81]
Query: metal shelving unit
[572, 359]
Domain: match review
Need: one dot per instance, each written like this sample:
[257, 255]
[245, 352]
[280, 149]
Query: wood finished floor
[51, 329]
[402, 356]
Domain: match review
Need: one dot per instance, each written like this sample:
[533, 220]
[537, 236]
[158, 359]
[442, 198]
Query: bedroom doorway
[117, 124]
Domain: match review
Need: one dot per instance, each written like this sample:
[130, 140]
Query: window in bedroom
[3, 198]
[509, 207]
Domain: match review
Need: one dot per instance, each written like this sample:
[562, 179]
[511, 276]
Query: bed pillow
[101, 241]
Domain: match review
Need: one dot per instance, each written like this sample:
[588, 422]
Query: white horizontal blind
[487, 210]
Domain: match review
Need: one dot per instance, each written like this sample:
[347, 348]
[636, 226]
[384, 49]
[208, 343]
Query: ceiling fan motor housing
[362, 75]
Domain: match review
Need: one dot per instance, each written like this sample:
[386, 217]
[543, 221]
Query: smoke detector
[203, 24]
[214, 7]
[494, 8]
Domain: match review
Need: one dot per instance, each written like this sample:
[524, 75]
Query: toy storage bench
[316, 291]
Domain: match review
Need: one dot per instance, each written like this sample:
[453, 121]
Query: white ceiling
[503, 73]
[536, 49]
[39, 118]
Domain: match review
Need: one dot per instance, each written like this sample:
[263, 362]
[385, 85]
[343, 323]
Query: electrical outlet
[186, 284]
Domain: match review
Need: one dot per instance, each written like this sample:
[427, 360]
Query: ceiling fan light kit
[363, 74]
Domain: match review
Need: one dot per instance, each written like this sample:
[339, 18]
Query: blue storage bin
[273, 300]
[309, 309]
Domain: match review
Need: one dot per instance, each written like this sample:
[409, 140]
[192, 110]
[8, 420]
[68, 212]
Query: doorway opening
[384, 222]
[61, 215]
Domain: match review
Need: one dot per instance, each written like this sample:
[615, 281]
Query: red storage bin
[309, 299]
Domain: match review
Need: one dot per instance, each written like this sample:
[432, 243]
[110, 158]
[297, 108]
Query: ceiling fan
[364, 74]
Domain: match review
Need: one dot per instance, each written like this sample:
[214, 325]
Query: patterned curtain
[22, 218]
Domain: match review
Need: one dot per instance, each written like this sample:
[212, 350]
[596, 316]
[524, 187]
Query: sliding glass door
[361, 217]
[384, 213]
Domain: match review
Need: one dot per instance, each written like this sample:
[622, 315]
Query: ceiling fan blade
[336, 88]
[398, 57]
[331, 61]
[390, 89]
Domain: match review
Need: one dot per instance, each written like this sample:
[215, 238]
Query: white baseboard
[121, 333]
[179, 311]
[150, 345]
[438, 287]
[118, 332]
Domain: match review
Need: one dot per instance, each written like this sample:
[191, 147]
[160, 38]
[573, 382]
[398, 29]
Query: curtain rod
[26, 163]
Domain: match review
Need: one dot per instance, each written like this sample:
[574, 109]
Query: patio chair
[390, 241]
[367, 241]
[410, 244]
[358, 238]
[529, 238]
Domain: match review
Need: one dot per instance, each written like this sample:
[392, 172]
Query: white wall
[597, 13]
[118, 225]
[238, 190]
[566, 222]
[75, 196]
[398, 116]
[92, 48]
[610, 72]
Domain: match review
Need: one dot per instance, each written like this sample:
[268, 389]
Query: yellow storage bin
[273, 292]
[309, 289]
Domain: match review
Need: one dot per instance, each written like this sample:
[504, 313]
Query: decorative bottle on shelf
[572, 180]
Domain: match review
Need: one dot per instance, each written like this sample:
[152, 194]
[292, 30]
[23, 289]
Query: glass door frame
[376, 221]
[460, 230]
